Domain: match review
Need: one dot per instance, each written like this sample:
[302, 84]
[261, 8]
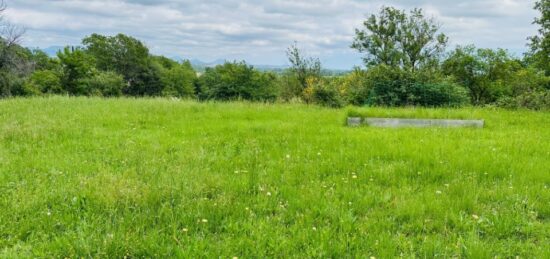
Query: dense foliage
[405, 59]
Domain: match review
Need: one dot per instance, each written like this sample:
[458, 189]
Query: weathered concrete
[354, 121]
[415, 123]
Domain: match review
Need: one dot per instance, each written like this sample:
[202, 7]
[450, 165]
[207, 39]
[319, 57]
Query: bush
[438, 94]
[397, 87]
[107, 84]
[237, 81]
[289, 86]
[536, 100]
[12, 85]
[179, 80]
[327, 96]
[354, 87]
[46, 81]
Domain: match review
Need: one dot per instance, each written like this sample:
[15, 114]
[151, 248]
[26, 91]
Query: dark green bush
[108, 84]
[46, 81]
[325, 94]
[179, 80]
[397, 87]
[237, 81]
[12, 85]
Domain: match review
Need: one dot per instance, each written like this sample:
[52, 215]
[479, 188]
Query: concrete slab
[415, 123]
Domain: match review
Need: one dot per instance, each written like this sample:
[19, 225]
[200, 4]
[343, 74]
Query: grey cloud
[260, 30]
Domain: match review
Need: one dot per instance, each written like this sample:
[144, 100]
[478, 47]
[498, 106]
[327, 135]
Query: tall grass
[160, 178]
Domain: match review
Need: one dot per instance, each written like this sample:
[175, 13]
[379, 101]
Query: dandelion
[185, 230]
[204, 221]
[234, 257]
[372, 257]
[354, 176]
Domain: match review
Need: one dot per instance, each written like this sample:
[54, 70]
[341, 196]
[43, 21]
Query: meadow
[91, 177]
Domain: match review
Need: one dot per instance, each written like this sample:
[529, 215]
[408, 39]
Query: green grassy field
[161, 178]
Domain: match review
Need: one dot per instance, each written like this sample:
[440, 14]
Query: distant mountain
[200, 65]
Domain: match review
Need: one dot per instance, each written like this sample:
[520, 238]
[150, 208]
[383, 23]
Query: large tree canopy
[397, 39]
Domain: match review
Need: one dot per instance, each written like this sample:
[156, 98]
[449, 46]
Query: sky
[259, 31]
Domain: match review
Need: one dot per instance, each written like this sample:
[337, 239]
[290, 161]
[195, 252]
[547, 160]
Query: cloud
[260, 30]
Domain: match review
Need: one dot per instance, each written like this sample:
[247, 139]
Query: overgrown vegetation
[406, 64]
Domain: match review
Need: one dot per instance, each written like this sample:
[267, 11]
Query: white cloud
[260, 30]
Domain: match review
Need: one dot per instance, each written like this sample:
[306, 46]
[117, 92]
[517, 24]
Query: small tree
[485, 72]
[76, 65]
[179, 80]
[303, 67]
[236, 81]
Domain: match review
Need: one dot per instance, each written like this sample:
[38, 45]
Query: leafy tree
[397, 39]
[76, 65]
[108, 84]
[179, 80]
[539, 54]
[126, 56]
[302, 67]
[354, 87]
[234, 81]
[41, 61]
[390, 86]
[45, 81]
[485, 72]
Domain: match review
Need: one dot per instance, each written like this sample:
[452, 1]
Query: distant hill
[200, 65]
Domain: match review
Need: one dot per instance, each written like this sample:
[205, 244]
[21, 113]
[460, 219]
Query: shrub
[438, 94]
[179, 80]
[354, 87]
[289, 86]
[12, 85]
[237, 81]
[536, 100]
[46, 81]
[107, 84]
[396, 87]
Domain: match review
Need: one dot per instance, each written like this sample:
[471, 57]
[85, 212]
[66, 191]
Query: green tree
[539, 53]
[107, 84]
[485, 72]
[397, 39]
[42, 61]
[76, 65]
[236, 81]
[179, 80]
[126, 56]
[303, 67]
[45, 81]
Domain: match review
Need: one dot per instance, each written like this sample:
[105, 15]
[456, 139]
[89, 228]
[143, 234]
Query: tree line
[405, 55]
